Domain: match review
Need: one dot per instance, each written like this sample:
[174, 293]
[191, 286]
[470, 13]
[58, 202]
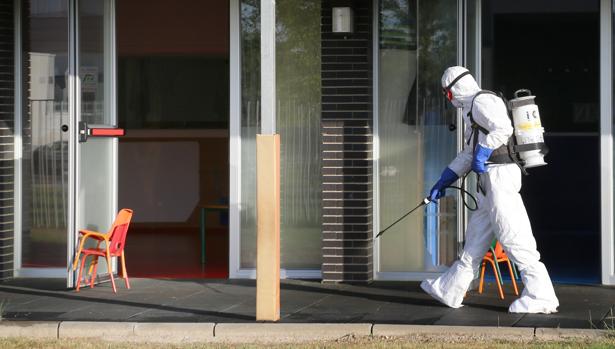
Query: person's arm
[463, 162]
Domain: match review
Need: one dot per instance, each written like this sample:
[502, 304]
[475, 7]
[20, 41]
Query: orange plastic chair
[114, 247]
[500, 256]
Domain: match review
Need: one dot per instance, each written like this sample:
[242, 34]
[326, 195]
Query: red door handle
[106, 132]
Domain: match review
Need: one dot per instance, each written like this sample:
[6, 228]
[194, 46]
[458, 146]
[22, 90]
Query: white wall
[162, 183]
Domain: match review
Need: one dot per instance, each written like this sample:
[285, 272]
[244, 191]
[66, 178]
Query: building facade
[364, 130]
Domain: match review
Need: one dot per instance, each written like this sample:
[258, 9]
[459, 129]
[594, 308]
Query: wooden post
[268, 227]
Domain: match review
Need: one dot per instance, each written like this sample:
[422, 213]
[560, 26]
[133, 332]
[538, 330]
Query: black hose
[426, 201]
[463, 198]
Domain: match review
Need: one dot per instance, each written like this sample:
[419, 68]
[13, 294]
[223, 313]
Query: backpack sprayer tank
[528, 129]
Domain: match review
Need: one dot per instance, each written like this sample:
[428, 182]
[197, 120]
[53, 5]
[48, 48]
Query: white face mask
[456, 103]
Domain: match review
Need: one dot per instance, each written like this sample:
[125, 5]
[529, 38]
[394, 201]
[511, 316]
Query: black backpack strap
[475, 126]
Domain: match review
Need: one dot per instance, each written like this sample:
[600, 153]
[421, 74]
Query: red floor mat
[175, 253]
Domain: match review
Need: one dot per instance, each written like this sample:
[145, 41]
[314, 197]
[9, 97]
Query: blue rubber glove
[447, 178]
[481, 155]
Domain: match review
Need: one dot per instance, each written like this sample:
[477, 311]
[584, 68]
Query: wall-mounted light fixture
[343, 20]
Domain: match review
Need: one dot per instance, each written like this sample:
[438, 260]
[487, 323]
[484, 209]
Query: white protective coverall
[500, 210]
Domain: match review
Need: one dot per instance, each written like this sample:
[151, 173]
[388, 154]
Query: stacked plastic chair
[114, 242]
[494, 257]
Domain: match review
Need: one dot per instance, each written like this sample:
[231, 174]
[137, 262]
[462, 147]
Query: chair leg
[76, 259]
[512, 276]
[93, 279]
[111, 273]
[124, 272]
[497, 279]
[514, 268]
[80, 272]
[497, 267]
[91, 266]
[482, 278]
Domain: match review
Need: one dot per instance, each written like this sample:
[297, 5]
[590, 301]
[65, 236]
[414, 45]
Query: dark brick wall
[6, 138]
[347, 148]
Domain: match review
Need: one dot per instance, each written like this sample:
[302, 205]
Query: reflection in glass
[96, 156]
[91, 62]
[298, 123]
[418, 40]
[250, 125]
[45, 146]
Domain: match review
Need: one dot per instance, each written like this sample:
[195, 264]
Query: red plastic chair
[114, 247]
[500, 256]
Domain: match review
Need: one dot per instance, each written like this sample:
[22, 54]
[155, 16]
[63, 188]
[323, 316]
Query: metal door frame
[73, 151]
[18, 158]
[461, 212]
[606, 143]
[110, 87]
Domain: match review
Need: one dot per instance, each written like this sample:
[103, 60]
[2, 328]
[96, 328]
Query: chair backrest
[118, 231]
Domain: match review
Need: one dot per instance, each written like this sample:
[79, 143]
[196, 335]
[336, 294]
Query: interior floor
[175, 252]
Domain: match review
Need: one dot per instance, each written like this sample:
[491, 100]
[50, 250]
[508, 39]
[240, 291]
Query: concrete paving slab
[303, 301]
[30, 329]
[277, 333]
[479, 313]
[580, 307]
[176, 314]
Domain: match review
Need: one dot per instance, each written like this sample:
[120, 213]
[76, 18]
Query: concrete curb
[31, 329]
[505, 333]
[93, 329]
[569, 333]
[272, 333]
[138, 331]
[276, 332]
[174, 332]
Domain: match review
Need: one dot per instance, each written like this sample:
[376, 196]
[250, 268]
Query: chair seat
[98, 252]
[501, 258]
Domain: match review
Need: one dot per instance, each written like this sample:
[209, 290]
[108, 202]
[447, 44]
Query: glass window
[173, 66]
[298, 123]
[417, 41]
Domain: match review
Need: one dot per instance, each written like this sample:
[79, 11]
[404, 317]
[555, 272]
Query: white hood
[464, 90]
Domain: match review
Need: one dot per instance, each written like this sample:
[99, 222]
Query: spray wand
[423, 203]
[427, 201]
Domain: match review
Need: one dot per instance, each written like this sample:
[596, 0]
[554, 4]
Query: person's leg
[513, 230]
[451, 286]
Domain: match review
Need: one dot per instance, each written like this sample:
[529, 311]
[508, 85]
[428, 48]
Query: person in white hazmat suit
[501, 213]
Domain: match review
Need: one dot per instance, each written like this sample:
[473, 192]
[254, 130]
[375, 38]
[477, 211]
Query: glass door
[417, 40]
[66, 181]
[43, 168]
[94, 195]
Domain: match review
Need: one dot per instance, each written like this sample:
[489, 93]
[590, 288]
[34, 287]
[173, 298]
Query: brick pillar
[347, 148]
[6, 140]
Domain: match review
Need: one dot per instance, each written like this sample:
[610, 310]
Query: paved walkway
[233, 301]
